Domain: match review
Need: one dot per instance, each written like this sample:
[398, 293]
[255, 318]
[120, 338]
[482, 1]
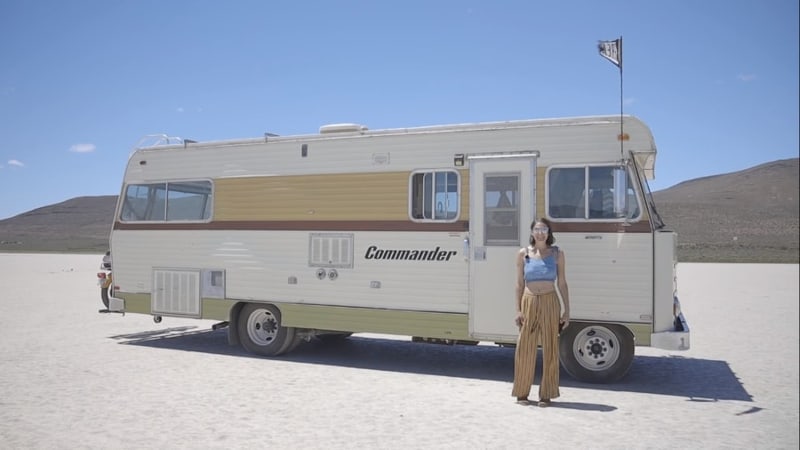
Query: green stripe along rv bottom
[439, 325]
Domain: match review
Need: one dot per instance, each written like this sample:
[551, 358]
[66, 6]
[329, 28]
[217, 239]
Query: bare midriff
[540, 287]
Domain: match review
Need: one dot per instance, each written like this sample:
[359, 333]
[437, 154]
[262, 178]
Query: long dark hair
[550, 238]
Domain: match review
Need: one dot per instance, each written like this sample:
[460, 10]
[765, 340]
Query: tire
[596, 353]
[105, 293]
[261, 332]
[295, 343]
[107, 290]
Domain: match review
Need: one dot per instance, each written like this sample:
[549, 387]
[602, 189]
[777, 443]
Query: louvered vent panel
[176, 292]
[331, 250]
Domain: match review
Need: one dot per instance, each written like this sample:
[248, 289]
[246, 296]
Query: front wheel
[261, 332]
[596, 353]
[106, 289]
[105, 294]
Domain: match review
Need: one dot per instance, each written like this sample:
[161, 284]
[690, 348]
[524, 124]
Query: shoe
[523, 400]
[544, 403]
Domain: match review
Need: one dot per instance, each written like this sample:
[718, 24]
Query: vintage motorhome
[408, 231]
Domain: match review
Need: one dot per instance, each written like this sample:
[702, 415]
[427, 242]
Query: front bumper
[677, 339]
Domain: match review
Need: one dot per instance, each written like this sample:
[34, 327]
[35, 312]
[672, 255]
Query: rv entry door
[502, 206]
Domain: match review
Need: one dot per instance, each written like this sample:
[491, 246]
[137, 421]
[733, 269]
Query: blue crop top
[542, 269]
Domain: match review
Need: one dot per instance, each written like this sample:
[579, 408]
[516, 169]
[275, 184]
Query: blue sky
[81, 82]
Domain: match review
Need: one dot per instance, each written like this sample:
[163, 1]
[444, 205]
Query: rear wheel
[596, 353]
[105, 294]
[261, 332]
[298, 339]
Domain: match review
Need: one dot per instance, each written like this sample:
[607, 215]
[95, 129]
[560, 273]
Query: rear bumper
[116, 304]
[672, 340]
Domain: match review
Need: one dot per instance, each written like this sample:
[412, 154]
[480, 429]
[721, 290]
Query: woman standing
[540, 267]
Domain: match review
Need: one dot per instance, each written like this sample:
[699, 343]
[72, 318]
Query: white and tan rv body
[403, 231]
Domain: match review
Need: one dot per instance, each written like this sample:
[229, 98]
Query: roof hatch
[342, 128]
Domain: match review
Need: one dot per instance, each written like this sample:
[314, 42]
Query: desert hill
[78, 225]
[745, 216]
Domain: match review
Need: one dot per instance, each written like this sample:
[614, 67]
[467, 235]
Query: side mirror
[620, 191]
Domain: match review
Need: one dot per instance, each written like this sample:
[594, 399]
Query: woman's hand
[564, 320]
[519, 320]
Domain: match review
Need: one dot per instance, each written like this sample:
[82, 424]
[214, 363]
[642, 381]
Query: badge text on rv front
[437, 254]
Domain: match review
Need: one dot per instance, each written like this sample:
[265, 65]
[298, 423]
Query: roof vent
[342, 128]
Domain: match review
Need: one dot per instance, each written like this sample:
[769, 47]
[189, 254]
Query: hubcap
[262, 327]
[596, 348]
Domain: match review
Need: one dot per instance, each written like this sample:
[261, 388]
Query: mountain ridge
[749, 215]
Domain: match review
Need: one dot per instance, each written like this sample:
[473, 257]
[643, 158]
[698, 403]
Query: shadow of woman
[574, 405]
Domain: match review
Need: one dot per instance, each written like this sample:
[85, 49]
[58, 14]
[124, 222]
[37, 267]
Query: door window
[501, 209]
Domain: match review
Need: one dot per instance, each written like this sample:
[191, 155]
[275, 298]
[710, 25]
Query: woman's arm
[520, 284]
[520, 278]
[562, 285]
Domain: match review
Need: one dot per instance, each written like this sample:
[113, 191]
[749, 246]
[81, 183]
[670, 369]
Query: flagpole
[612, 51]
[621, 131]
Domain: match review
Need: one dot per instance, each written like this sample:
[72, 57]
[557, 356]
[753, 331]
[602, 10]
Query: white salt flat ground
[73, 378]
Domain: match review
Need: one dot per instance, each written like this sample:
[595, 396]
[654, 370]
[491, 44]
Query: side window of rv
[591, 193]
[189, 200]
[434, 195]
[175, 201]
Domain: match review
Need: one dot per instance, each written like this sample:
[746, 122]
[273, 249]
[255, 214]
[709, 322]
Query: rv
[407, 231]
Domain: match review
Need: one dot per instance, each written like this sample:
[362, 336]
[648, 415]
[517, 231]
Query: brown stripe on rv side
[300, 225]
[601, 227]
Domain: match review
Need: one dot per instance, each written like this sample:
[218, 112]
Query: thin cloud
[16, 162]
[181, 109]
[83, 148]
[746, 77]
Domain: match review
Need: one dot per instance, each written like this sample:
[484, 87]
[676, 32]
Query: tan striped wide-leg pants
[541, 317]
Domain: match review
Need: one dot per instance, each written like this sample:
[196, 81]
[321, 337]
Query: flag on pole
[611, 50]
